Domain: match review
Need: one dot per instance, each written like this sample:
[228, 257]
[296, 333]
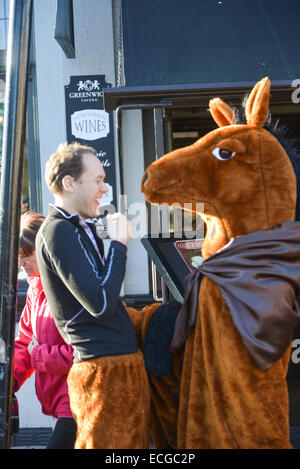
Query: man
[108, 386]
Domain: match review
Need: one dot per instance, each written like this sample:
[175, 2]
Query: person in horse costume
[226, 387]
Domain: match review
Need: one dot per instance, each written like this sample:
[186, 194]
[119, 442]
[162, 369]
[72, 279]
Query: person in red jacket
[39, 347]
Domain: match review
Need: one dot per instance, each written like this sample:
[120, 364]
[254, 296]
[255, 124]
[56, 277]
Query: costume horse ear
[221, 112]
[257, 105]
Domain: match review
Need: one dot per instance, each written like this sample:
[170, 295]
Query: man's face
[89, 188]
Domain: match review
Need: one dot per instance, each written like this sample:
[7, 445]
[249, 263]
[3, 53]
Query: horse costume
[227, 387]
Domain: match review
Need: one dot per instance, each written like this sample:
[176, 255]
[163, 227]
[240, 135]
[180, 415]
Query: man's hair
[29, 226]
[67, 160]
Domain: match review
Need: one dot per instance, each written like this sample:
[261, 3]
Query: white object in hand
[118, 227]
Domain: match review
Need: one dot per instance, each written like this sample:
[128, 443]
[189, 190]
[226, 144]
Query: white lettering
[90, 124]
[86, 94]
[139, 222]
[101, 153]
[295, 357]
[296, 92]
[106, 163]
[116, 459]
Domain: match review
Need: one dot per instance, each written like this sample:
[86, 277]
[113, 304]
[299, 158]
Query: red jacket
[51, 359]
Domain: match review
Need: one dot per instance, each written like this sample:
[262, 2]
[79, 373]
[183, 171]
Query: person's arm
[63, 250]
[52, 358]
[22, 360]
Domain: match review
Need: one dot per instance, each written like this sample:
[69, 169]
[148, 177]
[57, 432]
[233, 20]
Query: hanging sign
[89, 124]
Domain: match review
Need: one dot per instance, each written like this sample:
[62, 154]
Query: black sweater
[82, 288]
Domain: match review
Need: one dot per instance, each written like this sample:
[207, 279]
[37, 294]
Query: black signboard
[174, 259]
[89, 124]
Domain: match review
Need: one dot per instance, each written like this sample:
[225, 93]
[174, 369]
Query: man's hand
[32, 344]
[118, 227]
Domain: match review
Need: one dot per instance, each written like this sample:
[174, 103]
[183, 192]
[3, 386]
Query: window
[4, 15]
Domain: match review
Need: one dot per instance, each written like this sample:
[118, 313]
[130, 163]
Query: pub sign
[88, 124]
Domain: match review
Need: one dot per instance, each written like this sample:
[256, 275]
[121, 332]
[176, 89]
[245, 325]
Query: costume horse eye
[222, 154]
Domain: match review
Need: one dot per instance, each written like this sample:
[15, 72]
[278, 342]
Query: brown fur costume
[223, 400]
[110, 400]
[164, 391]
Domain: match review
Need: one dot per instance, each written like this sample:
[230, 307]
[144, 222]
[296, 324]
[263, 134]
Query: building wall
[94, 55]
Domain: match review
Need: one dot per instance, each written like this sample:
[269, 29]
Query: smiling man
[108, 386]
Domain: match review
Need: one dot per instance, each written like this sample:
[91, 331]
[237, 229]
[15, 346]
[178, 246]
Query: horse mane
[282, 134]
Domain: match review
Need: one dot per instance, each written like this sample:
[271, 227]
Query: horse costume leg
[118, 391]
[165, 393]
[164, 390]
